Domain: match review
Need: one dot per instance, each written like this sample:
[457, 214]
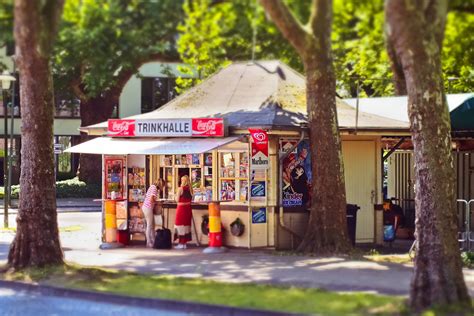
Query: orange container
[215, 239]
[110, 206]
[214, 209]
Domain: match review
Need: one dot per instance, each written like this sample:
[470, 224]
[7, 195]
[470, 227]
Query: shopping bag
[388, 232]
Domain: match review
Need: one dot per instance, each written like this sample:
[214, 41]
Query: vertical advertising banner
[297, 174]
[259, 149]
[114, 177]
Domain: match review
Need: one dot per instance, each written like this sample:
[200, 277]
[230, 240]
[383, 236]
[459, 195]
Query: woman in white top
[152, 195]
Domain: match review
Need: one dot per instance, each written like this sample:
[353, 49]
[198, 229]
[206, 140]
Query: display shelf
[136, 195]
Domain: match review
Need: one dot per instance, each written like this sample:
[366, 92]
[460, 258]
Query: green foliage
[467, 258]
[215, 33]
[207, 55]
[458, 52]
[359, 48]
[6, 26]
[358, 42]
[100, 40]
[6, 21]
[71, 188]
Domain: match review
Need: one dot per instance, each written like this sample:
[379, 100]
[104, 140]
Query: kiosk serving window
[233, 176]
[198, 167]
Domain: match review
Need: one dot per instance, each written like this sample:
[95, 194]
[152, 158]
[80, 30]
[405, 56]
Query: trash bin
[351, 217]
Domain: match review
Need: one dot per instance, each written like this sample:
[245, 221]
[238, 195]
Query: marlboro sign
[199, 127]
[259, 149]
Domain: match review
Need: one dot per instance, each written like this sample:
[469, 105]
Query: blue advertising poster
[257, 189]
[297, 175]
[259, 216]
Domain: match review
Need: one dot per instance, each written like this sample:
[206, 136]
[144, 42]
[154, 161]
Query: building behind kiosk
[272, 203]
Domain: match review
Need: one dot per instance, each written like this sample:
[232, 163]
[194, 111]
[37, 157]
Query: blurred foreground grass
[276, 298]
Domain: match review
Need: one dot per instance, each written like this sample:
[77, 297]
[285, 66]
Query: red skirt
[183, 222]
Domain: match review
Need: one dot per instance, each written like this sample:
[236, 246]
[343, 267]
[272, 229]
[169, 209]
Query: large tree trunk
[327, 228]
[36, 241]
[93, 111]
[416, 32]
[325, 233]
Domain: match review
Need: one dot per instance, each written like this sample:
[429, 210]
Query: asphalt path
[25, 303]
[236, 265]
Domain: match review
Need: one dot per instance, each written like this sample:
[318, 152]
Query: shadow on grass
[276, 298]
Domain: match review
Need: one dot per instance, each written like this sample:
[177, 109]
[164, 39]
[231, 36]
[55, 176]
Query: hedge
[72, 188]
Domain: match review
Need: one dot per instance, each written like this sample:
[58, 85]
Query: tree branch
[51, 12]
[288, 24]
[321, 16]
[78, 91]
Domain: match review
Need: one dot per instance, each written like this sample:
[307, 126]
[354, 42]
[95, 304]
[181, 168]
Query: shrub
[468, 259]
[72, 188]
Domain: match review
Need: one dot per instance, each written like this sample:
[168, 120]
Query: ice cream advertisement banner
[259, 149]
[196, 127]
[296, 174]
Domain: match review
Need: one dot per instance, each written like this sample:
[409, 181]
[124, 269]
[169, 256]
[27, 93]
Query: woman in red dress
[182, 223]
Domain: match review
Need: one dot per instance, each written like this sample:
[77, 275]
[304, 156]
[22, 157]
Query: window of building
[157, 92]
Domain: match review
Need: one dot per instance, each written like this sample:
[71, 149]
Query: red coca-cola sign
[121, 128]
[208, 127]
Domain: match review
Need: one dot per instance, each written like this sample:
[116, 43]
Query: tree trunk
[93, 111]
[327, 228]
[326, 231]
[416, 34]
[36, 241]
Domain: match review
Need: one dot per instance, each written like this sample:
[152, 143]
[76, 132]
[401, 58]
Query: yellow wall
[363, 176]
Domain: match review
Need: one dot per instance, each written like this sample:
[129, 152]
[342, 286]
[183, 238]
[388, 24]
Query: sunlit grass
[277, 298]
[65, 229]
[400, 259]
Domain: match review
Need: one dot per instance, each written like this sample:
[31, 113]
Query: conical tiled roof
[263, 94]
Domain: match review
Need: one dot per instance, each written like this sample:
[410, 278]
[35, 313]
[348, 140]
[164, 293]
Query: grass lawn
[290, 299]
[67, 229]
[396, 258]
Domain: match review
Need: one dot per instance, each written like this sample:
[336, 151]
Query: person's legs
[150, 226]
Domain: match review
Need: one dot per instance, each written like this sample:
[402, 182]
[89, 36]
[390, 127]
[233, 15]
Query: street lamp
[6, 80]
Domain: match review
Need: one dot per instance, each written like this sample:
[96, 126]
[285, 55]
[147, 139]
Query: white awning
[157, 146]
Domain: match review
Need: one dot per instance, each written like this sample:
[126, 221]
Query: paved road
[26, 303]
[237, 265]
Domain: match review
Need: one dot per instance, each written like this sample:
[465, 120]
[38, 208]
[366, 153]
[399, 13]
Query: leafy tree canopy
[210, 41]
[101, 40]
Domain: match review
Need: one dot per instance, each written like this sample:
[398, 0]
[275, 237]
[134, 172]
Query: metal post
[12, 153]
[357, 107]
[5, 159]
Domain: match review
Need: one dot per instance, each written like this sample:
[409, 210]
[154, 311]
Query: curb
[164, 304]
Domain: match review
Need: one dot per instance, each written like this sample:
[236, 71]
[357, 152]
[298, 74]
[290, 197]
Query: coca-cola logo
[121, 127]
[203, 126]
[208, 127]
